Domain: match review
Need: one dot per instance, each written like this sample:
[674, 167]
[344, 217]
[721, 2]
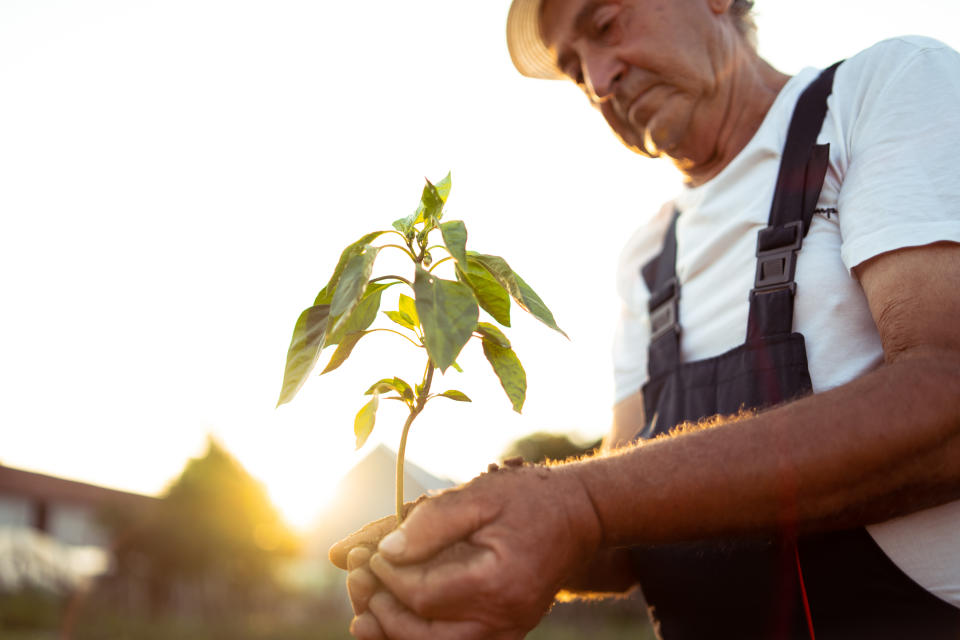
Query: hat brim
[527, 51]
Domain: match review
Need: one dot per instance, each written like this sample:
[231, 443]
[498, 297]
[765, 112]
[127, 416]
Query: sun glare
[302, 497]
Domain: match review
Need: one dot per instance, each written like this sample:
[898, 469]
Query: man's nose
[601, 74]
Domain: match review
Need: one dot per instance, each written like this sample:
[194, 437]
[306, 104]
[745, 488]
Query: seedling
[440, 317]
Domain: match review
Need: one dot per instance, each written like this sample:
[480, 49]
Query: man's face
[649, 65]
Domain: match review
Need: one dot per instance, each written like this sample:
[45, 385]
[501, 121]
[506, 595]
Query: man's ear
[719, 6]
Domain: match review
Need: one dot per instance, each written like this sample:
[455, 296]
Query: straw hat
[530, 56]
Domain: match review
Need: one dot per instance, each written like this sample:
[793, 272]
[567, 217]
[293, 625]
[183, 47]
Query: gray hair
[742, 13]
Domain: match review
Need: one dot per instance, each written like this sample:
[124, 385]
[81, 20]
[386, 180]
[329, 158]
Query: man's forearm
[883, 445]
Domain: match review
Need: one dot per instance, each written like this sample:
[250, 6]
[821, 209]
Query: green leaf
[455, 239]
[507, 366]
[530, 301]
[353, 282]
[409, 307]
[405, 225]
[492, 297]
[432, 204]
[499, 269]
[429, 209]
[326, 294]
[343, 350]
[366, 417]
[400, 318]
[516, 287]
[443, 187]
[453, 394]
[404, 389]
[448, 314]
[304, 350]
[324, 297]
[491, 332]
[392, 384]
[362, 315]
[456, 367]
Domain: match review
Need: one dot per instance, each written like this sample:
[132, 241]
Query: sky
[178, 178]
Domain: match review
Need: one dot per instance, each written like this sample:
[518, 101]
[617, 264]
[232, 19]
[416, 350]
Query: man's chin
[642, 145]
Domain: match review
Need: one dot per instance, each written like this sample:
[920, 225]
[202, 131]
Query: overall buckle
[663, 310]
[776, 266]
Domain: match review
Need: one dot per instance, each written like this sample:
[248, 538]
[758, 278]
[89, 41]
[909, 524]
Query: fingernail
[393, 544]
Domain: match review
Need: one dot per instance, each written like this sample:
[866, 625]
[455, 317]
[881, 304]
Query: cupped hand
[353, 555]
[484, 560]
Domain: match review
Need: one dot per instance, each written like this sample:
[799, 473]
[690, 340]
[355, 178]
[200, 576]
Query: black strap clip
[663, 308]
[777, 257]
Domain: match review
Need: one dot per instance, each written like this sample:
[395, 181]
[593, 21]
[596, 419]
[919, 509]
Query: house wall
[70, 524]
[15, 512]
[76, 525]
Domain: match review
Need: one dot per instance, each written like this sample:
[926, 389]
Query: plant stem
[414, 412]
[404, 249]
[439, 262]
[394, 231]
[402, 335]
[400, 454]
[399, 278]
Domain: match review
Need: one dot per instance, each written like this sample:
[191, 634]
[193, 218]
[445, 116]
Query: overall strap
[660, 275]
[802, 171]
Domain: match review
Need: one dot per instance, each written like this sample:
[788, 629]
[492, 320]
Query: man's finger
[441, 587]
[366, 627]
[361, 585]
[358, 557]
[405, 625]
[433, 526]
[369, 535]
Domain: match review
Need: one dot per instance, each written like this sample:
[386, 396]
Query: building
[51, 535]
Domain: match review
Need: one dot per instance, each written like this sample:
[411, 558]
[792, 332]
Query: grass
[34, 616]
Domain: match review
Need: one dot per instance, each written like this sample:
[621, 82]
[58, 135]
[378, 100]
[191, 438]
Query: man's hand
[484, 560]
[353, 555]
[367, 537]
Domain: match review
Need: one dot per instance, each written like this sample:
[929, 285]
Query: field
[36, 617]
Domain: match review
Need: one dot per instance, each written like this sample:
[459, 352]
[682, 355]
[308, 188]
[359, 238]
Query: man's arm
[883, 445]
[610, 572]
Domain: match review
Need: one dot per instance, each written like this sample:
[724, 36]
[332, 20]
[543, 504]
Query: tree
[213, 537]
[541, 446]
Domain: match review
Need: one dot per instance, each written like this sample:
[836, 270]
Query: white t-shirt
[893, 126]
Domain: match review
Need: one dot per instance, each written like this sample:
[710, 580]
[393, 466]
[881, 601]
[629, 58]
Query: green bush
[30, 609]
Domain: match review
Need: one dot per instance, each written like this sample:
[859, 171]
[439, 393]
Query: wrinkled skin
[352, 554]
[481, 561]
[671, 77]
[485, 560]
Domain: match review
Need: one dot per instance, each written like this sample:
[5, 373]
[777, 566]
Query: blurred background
[177, 180]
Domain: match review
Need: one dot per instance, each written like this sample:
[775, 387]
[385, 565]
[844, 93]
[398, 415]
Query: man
[824, 501]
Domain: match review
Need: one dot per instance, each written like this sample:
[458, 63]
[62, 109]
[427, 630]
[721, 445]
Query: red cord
[803, 592]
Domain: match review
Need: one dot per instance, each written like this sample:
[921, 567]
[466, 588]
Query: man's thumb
[429, 529]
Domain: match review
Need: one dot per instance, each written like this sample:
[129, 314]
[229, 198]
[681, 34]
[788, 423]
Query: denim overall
[832, 586]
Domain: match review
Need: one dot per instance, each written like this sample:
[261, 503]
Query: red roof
[39, 486]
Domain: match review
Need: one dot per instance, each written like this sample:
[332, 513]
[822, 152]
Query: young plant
[440, 317]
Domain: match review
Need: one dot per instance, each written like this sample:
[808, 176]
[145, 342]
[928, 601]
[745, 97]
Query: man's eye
[604, 20]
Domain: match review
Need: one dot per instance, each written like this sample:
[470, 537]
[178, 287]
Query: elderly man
[794, 311]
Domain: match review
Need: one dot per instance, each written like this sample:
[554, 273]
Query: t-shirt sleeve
[633, 326]
[629, 353]
[902, 184]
